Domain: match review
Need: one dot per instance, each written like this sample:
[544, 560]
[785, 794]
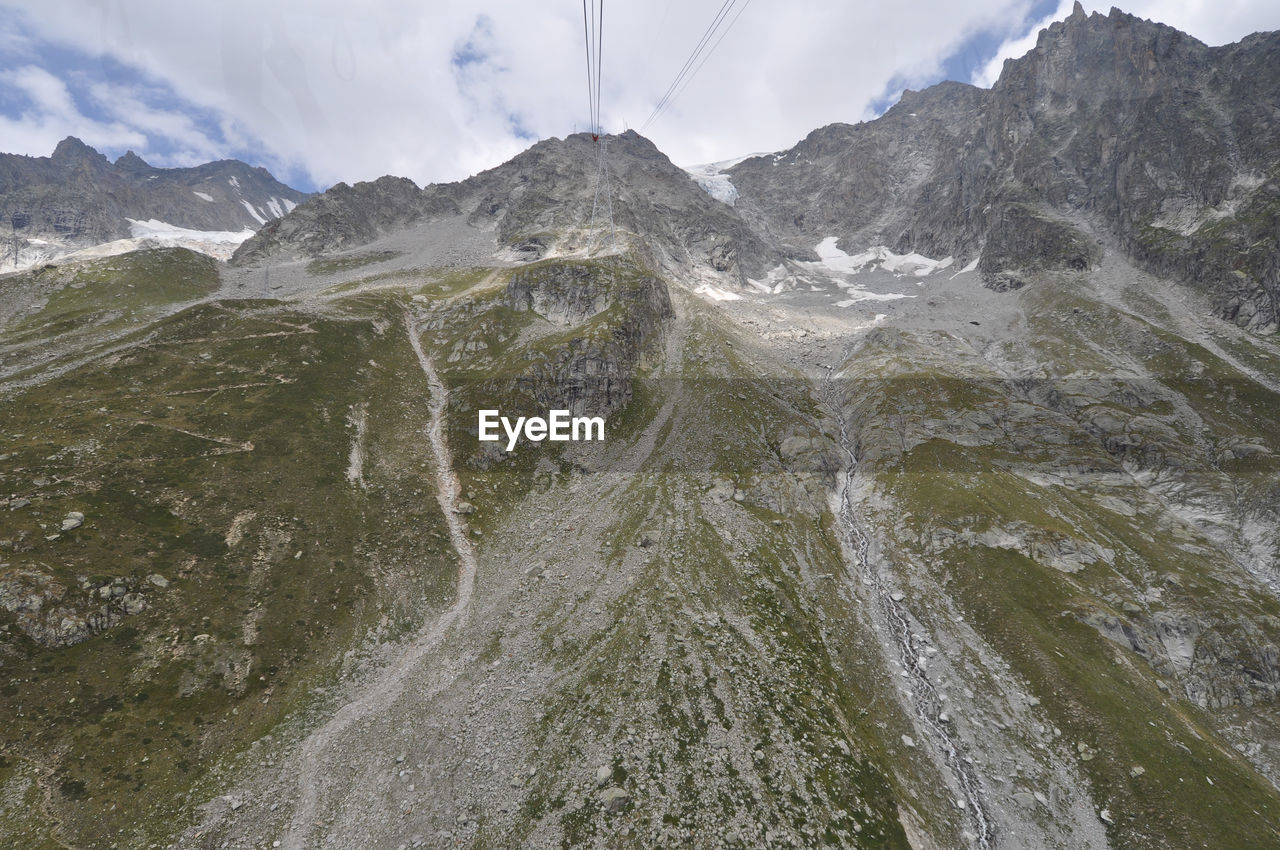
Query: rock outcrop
[592, 374]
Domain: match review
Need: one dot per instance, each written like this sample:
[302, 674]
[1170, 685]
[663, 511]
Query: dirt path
[389, 685]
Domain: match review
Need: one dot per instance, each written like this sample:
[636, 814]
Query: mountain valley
[939, 504]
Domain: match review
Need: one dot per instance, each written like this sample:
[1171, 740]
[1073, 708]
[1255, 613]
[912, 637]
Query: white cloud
[1214, 22]
[350, 91]
[52, 114]
[1015, 47]
[193, 146]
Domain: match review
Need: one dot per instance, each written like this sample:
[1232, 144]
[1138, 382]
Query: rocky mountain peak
[543, 194]
[72, 151]
[133, 163]
[1118, 54]
[77, 198]
[1111, 125]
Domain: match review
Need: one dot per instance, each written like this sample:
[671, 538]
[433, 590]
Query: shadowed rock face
[342, 217]
[77, 196]
[906, 178]
[604, 316]
[564, 294]
[594, 373]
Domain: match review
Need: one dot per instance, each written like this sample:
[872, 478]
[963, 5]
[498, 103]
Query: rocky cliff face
[77, 198]
[1111, 126]
[905, 180]
[560, 335]
[593, 374]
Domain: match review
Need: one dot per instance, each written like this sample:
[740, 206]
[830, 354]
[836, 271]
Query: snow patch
[715, 293]
[289, 206]
[155, 229]
[273, 207]
[204, 196]
[253, 212]
[220, 244]
[902, 265]
[772, 282]
[235, 184]
[714, 181]
[719, 187]
[153, 233]
[973, 265]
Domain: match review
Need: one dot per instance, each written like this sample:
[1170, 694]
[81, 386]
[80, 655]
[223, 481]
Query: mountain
[77, 198]
[1111, 128]
[539, 196]
[937, 504]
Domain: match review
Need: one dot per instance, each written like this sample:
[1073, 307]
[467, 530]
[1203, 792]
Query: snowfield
[714, 181]
[915, 265]
[154, 233]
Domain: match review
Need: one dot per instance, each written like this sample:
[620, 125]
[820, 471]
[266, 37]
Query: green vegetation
[719, 632]
[215, 456]
[947, 488]
[494, 356]
[115, 291]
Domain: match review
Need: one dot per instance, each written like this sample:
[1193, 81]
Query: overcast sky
[325, 90]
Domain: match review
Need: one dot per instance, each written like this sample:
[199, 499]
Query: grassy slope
[140, 712]
[803, 683]
[1193, 790]
[112, 291]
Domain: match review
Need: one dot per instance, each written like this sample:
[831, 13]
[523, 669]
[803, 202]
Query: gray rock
[73, 520]
[1002, 174]
[44, 612]
[614, 799]
[721, 491]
